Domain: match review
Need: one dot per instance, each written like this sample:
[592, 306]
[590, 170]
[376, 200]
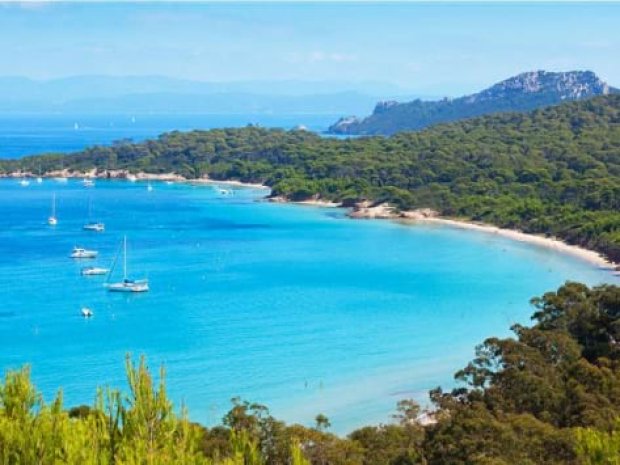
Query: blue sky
[438, 49]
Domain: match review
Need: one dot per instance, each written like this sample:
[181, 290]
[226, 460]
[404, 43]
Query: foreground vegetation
[551, 395]
[554, 171]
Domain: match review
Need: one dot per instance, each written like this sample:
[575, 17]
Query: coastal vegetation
[554, 171]
[548, 395]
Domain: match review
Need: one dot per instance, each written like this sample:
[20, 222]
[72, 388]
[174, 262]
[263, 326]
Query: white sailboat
[52, 220]
[24, 182]
[149, 187]
[127, 285]
[95, 226]
[86, 312]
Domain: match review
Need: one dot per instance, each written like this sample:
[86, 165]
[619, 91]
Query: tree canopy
[548, 396]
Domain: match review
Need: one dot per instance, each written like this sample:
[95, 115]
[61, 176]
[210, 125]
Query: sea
[295, 307]
[28, 134]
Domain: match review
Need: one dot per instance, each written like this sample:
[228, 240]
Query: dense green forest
[554, 171]
[549, 395]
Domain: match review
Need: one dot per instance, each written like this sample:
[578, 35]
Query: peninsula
[554, 171]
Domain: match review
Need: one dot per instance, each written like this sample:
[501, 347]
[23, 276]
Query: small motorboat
[24, 183]
[61, 179]
[39, 180]
[131, 178]
[93, 271]
[223, 191]
[79, 252]
[96, 227]
[88, 182]
[86, 312]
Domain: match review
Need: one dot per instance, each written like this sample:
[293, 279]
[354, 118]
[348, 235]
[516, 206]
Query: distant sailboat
[86, 312]
[127, 285]
[24, 182]
[39, 178]
[149, 187]
[95, 226]
[52, 220]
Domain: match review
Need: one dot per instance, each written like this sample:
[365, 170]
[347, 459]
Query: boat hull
[125, 287]
[94, 227]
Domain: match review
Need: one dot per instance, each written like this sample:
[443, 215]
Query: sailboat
[24, 182]
[92, 225]
[52, 220]
[127, 285]
[86, 312]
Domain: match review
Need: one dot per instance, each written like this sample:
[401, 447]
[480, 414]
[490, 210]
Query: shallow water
[295, 307]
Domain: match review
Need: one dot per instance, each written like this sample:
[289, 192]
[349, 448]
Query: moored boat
[80, 252]
[96, 227]
[93, 271]
[127, 284]
[86, 312]
[52, 220]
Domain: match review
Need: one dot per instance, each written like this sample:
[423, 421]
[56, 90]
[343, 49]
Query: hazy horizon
[442, 49]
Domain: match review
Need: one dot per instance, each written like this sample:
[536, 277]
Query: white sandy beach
[556, 244]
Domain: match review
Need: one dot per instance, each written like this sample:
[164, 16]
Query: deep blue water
[295, 307]
[32, 134]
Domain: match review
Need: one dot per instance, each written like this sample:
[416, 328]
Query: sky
[425, 48]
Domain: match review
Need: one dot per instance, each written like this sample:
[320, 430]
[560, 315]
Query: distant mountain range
[527, 91]
[158, 94]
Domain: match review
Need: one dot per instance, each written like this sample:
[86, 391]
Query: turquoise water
[295, 307]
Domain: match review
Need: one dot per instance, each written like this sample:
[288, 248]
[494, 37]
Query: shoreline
[362, 210]
[125, 175]
[590, 256]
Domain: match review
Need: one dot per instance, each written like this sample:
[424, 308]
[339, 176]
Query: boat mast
[125, 258]
[54, 205]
